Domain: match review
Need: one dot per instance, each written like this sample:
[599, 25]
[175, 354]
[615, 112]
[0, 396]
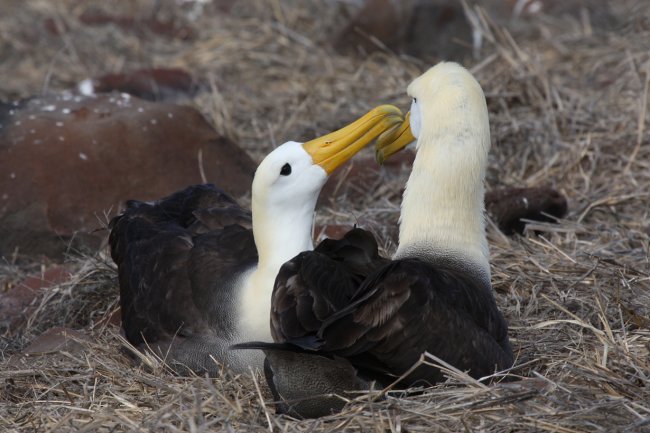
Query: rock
[57, 339]
[439, 30]
[68, 163]
[378, 19]
[50, 343]
[432, 29]
[13, 304]
[154, 84]
[509, 206]
[16, 299]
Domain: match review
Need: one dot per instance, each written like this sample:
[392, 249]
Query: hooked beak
[394, 140]
[335, 148]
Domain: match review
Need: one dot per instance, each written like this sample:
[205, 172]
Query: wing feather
[383, 315]
[168, 253]
[415, 307]
[314, 285]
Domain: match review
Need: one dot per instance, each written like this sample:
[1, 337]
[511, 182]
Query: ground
[568, 108]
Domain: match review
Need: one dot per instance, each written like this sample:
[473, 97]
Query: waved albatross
[342, 316]
[196, 270]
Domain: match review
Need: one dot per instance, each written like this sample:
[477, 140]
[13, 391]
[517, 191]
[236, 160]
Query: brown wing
[383, 315]
[168, 254]
[410, 307]
[316, 284]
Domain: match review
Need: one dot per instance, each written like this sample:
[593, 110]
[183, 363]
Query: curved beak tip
[379, 157]
[393, 140]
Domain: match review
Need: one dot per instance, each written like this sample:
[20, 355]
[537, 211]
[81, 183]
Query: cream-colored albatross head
[285, 190]
[442, 213]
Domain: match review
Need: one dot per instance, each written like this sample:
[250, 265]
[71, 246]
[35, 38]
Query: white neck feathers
[442, 213]
[280, 235]
[281, 232]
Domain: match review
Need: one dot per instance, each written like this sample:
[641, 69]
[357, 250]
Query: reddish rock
[57, 339]
[152, 84]
[439, 30]
[508, 206]
[49, 343]
[15, 300]
[376, 21]
[67, 163]
[111, 318]
[224, 6]
[429, 29]
[50, 277]
[168, 28]
[13, 304]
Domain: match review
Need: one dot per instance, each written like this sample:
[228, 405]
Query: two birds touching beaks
[202, 278]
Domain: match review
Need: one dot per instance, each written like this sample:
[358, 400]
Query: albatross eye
[415, 100]
[286, 170]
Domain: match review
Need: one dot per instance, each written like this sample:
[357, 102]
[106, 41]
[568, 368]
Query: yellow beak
[335, 148]
[394, 140]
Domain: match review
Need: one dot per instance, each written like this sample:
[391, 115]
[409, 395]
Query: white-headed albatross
[344, 309]
[196, 271]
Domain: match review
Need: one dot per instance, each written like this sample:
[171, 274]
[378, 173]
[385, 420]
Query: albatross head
[285, 190]
[288, 181]
[445, 99]
[442, 208]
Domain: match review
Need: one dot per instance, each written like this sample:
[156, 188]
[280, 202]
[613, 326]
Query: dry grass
[568, 108]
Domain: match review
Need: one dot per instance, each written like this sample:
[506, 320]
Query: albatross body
[196, 270]
[343, 303]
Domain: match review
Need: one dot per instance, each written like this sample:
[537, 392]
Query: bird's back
[410, 307]
[177, 260]
[343, 299]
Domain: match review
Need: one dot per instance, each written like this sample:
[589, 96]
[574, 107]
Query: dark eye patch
[286, 170]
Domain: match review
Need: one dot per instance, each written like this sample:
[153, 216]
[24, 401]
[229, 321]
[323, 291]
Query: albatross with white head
[196, 270]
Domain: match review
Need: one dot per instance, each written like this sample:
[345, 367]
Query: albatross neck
[280, 235]
[442, 214]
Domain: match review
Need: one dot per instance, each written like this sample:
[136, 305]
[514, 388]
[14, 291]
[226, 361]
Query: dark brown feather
[511, 206]
[314, 285]
[168, 254]
[382, 315]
